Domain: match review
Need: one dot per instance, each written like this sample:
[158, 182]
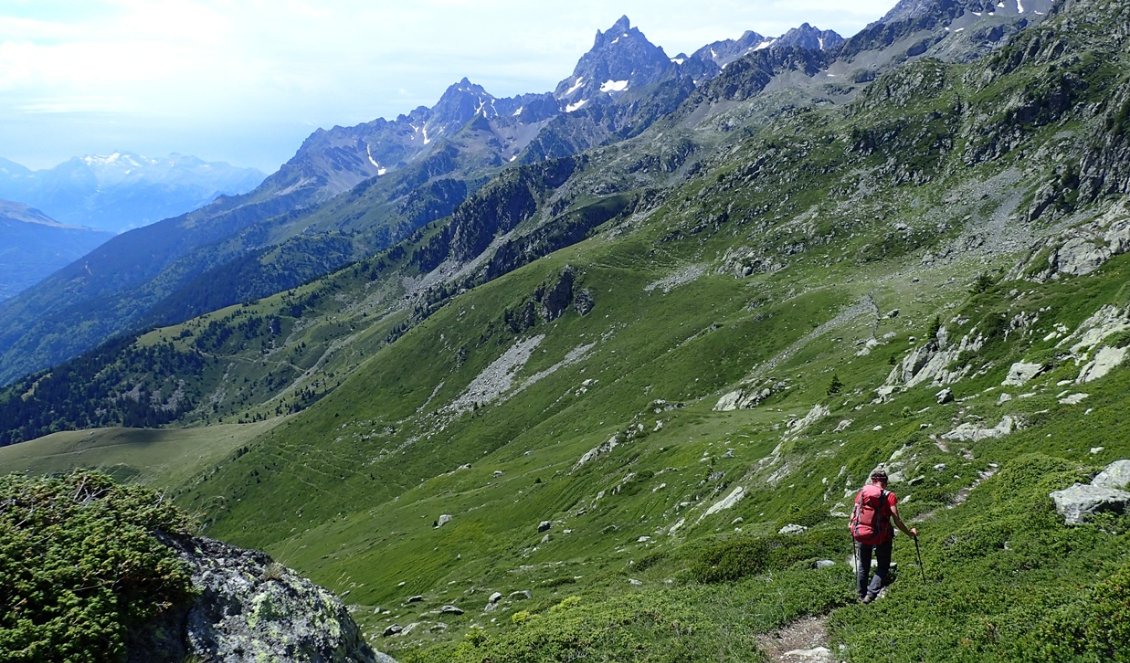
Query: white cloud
[325, 62]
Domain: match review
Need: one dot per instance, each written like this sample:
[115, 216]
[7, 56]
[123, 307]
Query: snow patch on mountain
[576, 86]
[381, 170]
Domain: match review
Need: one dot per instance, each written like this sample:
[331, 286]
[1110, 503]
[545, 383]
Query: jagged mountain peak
[623, 23]
[729, 49]
[459, 104]
[810, 37]
[805, 37]
[621, 58]
[464, 86]
[621, 28]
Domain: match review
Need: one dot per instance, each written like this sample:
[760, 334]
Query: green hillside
[164, 458]
[606, 384]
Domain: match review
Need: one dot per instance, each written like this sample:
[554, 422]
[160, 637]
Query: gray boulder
[1116, 476]
[1079, 502]
[1106, 360]
[249, 608]
[1021, 372]
[1079, 256]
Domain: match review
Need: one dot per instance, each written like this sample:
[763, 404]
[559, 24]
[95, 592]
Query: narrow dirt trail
[803, 641]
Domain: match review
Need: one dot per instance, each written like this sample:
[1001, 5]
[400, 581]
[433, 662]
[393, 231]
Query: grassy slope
[163, 458]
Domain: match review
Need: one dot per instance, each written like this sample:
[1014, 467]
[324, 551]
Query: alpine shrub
[80, 566]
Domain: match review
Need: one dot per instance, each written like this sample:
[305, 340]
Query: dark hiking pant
[863, 570]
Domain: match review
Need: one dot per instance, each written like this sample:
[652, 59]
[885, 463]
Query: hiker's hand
[914, 532]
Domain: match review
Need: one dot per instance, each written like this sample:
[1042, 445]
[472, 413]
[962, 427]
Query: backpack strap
[854, 520]
[883, 521]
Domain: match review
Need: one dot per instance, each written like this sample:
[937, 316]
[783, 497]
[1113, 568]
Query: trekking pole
[918, 550]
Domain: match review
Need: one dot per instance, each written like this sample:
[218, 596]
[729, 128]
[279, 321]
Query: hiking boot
[869, 598]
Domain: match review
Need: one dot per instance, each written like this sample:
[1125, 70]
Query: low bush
[733, 559]
[1095, 628]
[80, 566]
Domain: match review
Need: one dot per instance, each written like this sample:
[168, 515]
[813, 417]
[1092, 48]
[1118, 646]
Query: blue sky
[245, 81]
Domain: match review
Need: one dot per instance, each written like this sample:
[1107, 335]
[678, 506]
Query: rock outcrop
[1105, 493]
[1080, 250]
[250, 609]
[972, 432]
[932, 363]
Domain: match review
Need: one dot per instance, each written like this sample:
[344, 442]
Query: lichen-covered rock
[1079, 502]
[251, 609]
[1116, 475]
[1104, 494]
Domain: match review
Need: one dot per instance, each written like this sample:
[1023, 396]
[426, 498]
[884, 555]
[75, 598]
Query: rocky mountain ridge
[387, 178]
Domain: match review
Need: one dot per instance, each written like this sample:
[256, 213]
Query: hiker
[871, 529]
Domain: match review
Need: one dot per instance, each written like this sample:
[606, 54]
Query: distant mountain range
[351, 191]
[33, 245]
[122, 190]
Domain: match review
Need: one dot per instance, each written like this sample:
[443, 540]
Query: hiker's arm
[912, 531]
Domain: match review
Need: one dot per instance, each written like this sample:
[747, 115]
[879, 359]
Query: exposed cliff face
[249, 608]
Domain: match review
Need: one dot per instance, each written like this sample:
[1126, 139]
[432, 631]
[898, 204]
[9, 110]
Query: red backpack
[870, 520]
